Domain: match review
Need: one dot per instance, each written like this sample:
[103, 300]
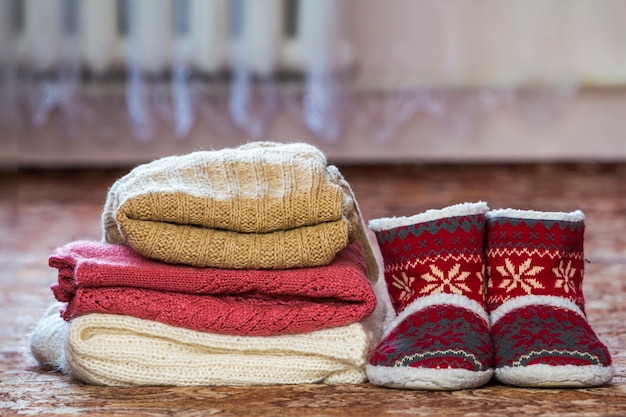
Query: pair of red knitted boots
[480, 292]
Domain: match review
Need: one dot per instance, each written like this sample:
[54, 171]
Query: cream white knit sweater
[118, 350]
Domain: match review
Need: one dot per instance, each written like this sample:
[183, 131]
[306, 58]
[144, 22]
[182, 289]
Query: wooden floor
[42, 210]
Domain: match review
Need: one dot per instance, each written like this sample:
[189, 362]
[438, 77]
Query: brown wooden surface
[42, 210]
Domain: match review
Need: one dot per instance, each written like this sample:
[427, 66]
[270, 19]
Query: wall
[432, 81]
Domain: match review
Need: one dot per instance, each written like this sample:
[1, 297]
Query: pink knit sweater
[105, 278]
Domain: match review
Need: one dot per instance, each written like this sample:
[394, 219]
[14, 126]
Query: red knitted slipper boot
[434, 270]
[535, 266]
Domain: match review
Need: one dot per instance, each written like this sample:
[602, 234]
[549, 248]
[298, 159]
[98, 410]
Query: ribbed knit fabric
[263, 205]
[434, 270]
[117, 350]
[535, 263]
[99, 277]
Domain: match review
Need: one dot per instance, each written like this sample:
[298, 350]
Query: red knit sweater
[105, 278]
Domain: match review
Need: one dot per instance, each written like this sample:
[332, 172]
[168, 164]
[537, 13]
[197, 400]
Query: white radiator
[209, 35]
[165, 54]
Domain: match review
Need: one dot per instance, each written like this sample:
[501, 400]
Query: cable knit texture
[96, 277]
[535, 263]
[263, 205]
[114, 350]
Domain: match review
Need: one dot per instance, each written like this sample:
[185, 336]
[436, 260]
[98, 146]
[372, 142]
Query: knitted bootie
[535, 265]
[434, 270]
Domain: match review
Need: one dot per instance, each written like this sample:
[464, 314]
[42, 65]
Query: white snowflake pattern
[522, 276]
[404, 284]
[454, 279]
[564, 274]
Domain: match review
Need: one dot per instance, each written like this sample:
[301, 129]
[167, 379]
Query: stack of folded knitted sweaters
[240, 266]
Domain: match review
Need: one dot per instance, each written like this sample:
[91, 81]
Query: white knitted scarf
[117, 350]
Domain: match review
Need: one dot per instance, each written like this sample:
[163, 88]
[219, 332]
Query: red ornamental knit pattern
[438, 337]
[547, 335]
[532, 256]
[439, 256]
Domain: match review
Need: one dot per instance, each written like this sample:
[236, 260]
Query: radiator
[247, 45]
[208, 35]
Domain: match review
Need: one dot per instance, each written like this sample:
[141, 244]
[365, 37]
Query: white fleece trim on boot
[404, 377]
[574, 216]
[532, 300]
[463, 209]
[437, 299]
[548, 376]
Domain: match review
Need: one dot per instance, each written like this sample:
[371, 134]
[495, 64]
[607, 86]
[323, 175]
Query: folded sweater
[114, 350]
[263, 205]
[96, 277]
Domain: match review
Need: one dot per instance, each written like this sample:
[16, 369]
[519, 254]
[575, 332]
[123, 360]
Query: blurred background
[106, 83]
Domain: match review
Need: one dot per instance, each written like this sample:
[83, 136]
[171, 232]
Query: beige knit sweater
[263, 205]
